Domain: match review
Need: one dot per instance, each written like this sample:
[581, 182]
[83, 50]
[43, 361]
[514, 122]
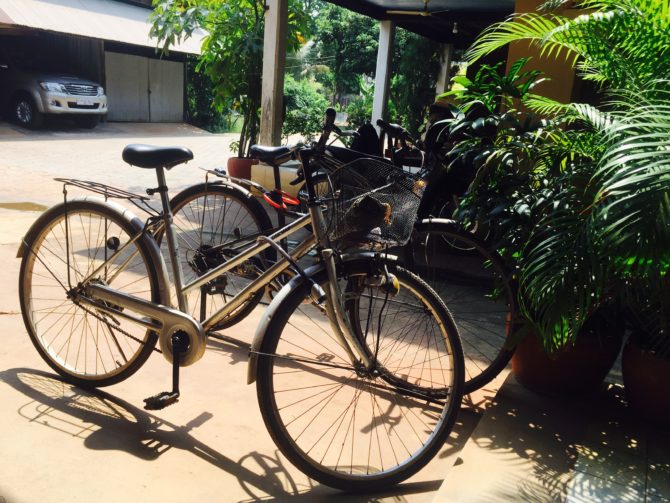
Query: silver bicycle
[357, 363]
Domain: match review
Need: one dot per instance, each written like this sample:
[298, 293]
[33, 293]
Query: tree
[416, 63]
[232, 51]
[304, 107]
[347, 43]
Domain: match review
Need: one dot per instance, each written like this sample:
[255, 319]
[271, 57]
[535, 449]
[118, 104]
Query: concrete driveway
[63, 444]
[30, 158]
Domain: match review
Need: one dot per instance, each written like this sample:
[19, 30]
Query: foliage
[232, 50]
[359, 110]
[493, 89]
[416, 64]
[621, 44]
[604, 232]
[199, 102]
[305, 106]
[505, 155]
[347, 43]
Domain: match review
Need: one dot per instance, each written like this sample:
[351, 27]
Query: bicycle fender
[155, 255]
[425, 224]
[295, 283]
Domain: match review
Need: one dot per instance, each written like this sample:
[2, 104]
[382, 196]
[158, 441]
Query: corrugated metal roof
[102, 19]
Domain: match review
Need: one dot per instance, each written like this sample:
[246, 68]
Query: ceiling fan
[422, 12]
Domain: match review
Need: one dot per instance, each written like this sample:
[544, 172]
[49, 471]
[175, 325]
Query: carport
[455, 23]
[108, 42]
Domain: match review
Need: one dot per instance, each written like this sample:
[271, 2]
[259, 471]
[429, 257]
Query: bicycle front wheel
[474, 283]
[357, 429]
[64, 248]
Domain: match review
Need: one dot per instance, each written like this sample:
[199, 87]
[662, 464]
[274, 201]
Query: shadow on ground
[105, 422]
[577, 449]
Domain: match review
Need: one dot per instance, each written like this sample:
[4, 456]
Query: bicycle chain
[113, 327]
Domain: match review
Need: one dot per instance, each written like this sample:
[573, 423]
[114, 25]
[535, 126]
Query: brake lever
[298, 179]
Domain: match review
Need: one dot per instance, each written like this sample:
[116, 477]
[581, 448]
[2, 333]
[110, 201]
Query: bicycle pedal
[161, 400]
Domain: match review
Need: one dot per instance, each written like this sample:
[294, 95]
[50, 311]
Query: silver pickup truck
[28, 93]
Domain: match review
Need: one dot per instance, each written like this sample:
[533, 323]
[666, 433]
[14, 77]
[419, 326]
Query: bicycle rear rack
[100, 188]
[141, 202]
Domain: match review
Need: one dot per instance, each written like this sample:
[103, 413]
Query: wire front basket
[374, 204]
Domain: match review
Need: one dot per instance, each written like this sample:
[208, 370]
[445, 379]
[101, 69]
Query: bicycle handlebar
[395, 131]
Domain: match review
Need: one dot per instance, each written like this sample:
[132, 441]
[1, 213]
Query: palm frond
[632, 203]
[527, 26]
[625, 43]
[552, 5]
[561, 279]
[571, 112]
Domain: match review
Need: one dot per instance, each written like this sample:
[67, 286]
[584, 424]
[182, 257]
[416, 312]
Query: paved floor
[31, 158]
[62, 444]
[578, 450]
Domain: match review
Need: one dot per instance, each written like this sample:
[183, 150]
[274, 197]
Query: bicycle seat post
[171, 236]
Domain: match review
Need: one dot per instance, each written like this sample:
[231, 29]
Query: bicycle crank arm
[168, 321]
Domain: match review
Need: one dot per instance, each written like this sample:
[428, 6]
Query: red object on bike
[272, 199]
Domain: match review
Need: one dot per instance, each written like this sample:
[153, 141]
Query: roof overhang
[435, 19]
[100, 19]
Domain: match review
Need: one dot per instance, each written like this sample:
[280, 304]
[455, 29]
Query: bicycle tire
[294, 430]
[196, 211]
[86, 347]
[474, 283]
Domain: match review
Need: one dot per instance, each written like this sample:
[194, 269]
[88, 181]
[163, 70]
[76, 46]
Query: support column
[274, 62]
[444, 77]
[383, 71]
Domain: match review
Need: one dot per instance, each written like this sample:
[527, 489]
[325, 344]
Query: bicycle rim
[355, 430]
[84, 344]
[475, 285]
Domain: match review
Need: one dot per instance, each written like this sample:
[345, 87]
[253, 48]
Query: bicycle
[462, 267]
[377, 395]
[459, 262]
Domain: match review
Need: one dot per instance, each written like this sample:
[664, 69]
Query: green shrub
[305, 107]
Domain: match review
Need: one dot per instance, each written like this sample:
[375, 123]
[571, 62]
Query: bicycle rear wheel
[354, 429]
[67, 244]
[475, 285]
[214, 222]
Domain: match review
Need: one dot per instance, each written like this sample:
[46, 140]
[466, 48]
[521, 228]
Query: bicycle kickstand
[165, 398]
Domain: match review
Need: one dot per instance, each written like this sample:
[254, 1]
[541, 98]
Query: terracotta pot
[646, 379]
[240, 167]
[579, 369]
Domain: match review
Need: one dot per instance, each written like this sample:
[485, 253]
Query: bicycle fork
[360, 358]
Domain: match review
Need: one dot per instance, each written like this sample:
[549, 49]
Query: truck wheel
[25, 113]
[87, 121]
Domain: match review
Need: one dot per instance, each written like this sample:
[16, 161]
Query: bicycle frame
[167, 320]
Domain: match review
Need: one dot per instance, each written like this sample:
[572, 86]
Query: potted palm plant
[608, 232]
